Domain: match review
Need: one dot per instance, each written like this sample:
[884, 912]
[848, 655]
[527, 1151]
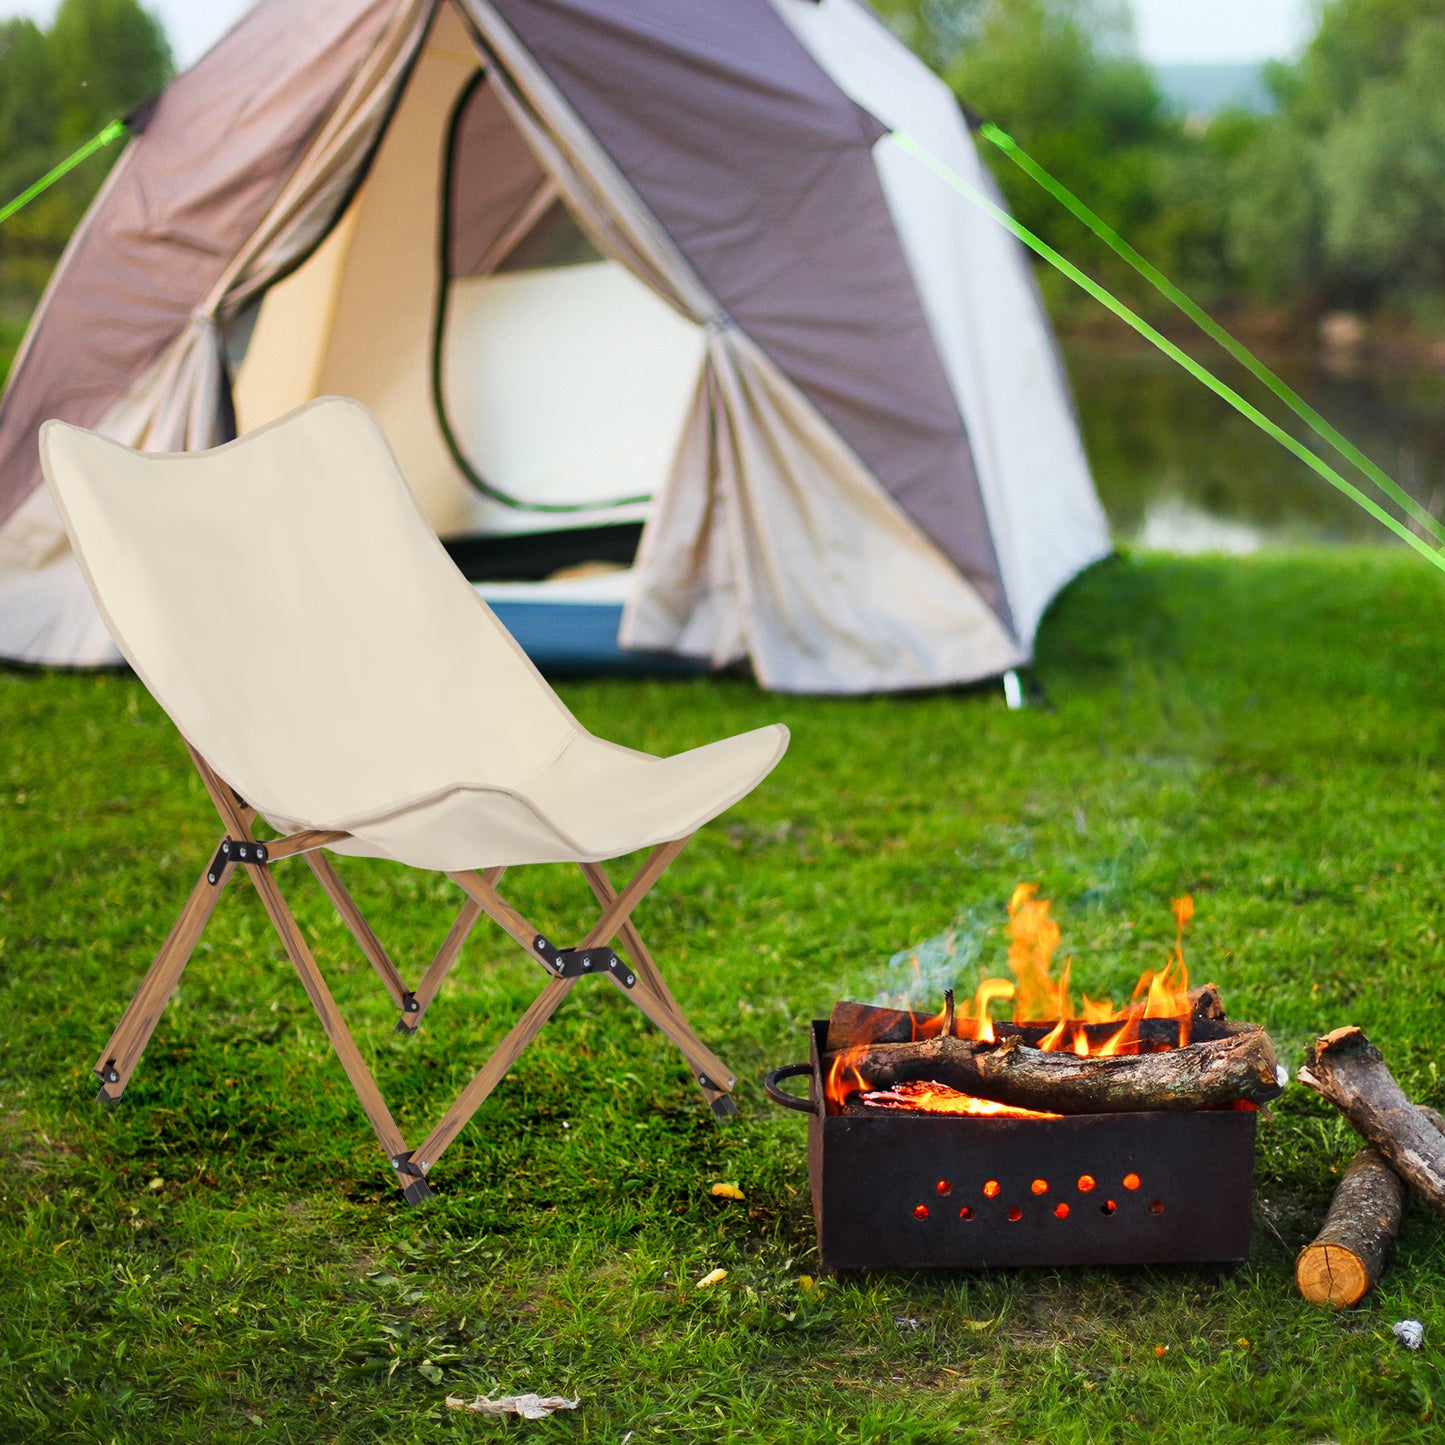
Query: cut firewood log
[1238, 1063]
[852, 1024]
[1345, 1260]
[1349, 1071]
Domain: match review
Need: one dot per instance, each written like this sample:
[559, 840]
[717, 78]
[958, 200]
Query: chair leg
[492, 1072]
[711, 1075]
[361, 931]
[122, 1053]
[649, 992]
[432, 979]
[653, 997]
[383, 1125]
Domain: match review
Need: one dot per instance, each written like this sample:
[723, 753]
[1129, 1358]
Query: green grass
[219, 1258]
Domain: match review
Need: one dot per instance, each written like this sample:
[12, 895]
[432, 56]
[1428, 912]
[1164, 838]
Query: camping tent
[639, 282]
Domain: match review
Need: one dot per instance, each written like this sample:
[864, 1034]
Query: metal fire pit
[925, 1191]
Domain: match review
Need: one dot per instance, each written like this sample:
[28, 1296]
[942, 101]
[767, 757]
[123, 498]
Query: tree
[1382, 171]
[1357, 41]
[1340, 198]
[1062, 78]
[935, 30]
[58, 88]
[107, 57]
[28, 109]
[1273, 211]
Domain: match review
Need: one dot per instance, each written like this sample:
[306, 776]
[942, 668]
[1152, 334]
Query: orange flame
[1040, 999]
[1034, 936]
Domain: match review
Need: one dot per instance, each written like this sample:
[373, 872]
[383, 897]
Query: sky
[1169, 30]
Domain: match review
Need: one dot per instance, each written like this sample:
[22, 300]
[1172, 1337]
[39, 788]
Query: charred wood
[853, 1024]
[1238, 1063]
[1348, 1070]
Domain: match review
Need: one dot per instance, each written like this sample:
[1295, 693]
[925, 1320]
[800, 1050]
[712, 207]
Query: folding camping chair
[332, 673]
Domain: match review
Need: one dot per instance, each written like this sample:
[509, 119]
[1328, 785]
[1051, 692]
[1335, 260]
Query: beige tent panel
[287, 349]
[381, 286]
[562, 385]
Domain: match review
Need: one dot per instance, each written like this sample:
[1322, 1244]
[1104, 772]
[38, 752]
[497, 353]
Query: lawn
[220, 1258]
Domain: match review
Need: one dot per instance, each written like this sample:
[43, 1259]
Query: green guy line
[1209, 326]
[113, 131]
[1200, 373]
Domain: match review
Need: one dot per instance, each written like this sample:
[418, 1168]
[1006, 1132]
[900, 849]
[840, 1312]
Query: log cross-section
[1345, 1260]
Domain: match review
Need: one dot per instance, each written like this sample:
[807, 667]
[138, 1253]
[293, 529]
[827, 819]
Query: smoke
[916, 977]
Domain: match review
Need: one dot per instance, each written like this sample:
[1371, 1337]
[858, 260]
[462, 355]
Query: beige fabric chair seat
[333, 673]
[592, 801]
[389, 703]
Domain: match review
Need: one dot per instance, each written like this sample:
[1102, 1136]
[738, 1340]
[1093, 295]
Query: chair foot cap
[106, 1097]
[418, 1192]
[723, 1106]
[403, 1027]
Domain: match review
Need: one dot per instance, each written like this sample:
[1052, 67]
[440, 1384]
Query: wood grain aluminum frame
[639, 979]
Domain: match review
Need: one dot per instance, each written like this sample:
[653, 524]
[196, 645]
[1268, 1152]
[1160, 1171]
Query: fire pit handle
[781, 1096]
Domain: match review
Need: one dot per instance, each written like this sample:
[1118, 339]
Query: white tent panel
[569, 384]
[981, 306]
[46, 610]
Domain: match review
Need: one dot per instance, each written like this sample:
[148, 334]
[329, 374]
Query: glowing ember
[924, 1097]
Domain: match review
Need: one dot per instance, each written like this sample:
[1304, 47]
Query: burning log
[854, 1024]
[1348, 1070]
[1237, 1062]
[1345, 1260]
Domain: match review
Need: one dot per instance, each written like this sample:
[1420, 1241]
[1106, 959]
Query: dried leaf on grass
[726, 1191]
[715, 1276]
[529, 1407]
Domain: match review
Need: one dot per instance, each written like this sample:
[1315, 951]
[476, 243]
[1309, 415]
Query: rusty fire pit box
[919, 1191]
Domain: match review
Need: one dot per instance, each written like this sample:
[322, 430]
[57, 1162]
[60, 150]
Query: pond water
[1179, 470]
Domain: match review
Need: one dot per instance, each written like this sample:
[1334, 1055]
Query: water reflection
[1179, 470]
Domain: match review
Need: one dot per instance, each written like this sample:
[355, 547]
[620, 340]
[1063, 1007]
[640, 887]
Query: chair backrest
[288, 605]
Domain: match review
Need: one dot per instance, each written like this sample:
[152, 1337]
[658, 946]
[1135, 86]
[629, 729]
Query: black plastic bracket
[232, 851]
[412, 1178]
[576, 962]
[107, 1075]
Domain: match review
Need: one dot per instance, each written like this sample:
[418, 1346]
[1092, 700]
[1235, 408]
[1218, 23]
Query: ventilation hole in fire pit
[1086, 1183]
[1015, 1214]
[1061, 1211]
[944, 1188]
[1156, 1206]
[990, 1190]
[965, 1213]
[1108, 1207]
[1040, 1186]
[920, 1211]
[1131, 1181]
